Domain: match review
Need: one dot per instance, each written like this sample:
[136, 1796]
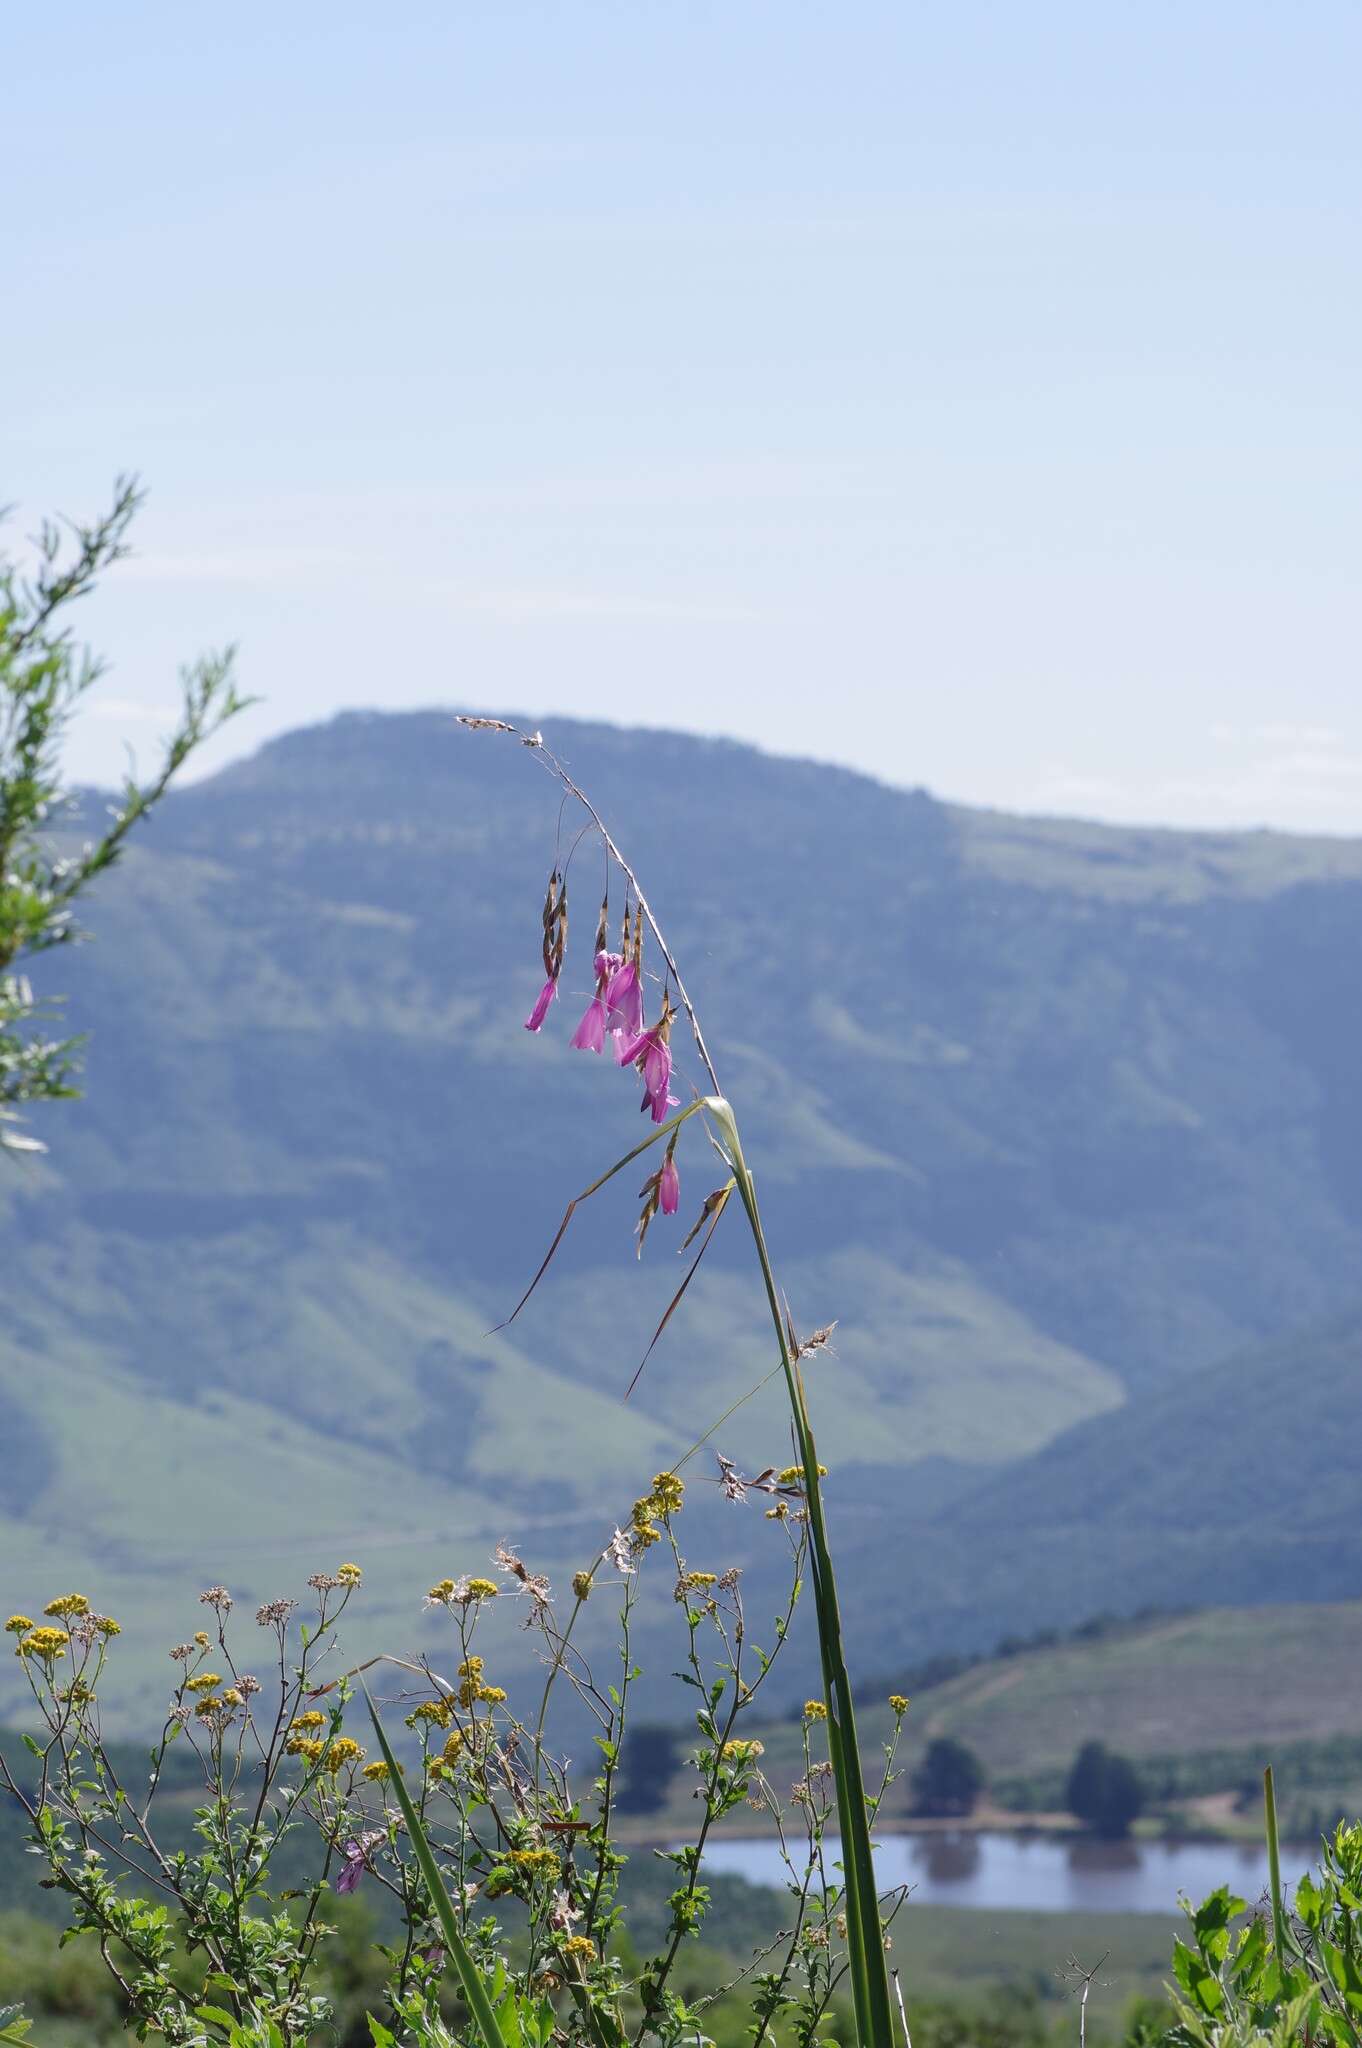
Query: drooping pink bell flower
[590, 1033]
[541, 1007]
[624, 1001]
[668, 1186]
[352, 1870]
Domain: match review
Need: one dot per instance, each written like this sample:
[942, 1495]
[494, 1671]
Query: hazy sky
[966, 393]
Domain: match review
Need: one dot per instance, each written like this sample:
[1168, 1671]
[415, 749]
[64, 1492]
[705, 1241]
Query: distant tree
[43, 676]
[948, 1781]
[1104, 1791]
[649, 1756]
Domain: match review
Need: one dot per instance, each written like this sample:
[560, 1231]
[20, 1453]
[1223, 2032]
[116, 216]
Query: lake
[1041, 1873]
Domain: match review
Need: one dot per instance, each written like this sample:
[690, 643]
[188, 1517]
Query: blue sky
[967, 394]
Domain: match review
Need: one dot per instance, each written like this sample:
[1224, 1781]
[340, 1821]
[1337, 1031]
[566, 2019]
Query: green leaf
[383, 2037]
[474, 1989]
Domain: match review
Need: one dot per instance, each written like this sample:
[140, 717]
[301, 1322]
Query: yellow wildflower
[742, 1752]
[492, 1694]
[581, 1586]
[201, 1638]
[69, 1603]
[349, 1574]
[47, 1643]
[471, 1667]
[645, 1512]
[815, 1710]
[107, 1626]
[580, 1945]
[441, 1590]
[644, 1536]
[537, 1862]
[778, 1512]
[206, 1709]
[340, 1752]
[231, 1698]
[204, 1681]
[305, 1747]
[311, 1719]
[453, 1745]
[696, 1582]
[376, 1772]
[437, 1711]
[669, 1492]
[19, 1625]
[898, 1703]
[793, 1475]
[482, 1589]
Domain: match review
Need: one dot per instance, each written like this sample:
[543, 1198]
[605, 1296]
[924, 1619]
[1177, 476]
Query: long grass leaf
[480, 2005]
[662, 1131]
[675, 1301]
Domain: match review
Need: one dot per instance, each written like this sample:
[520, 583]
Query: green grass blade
[480, 2005]
[865, 1946]
[1274, 1870]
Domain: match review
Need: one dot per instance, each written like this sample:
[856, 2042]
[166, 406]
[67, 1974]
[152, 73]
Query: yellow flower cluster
[309, 1750]
[815, 1710]
[482, 1589]
[453, 1745]
[779, 1512]
[68, 1604]
[107, 1626]
[47, 1643]
[231, 1698]
[207, 1708]
[19, 1624]
[793, 1475]
[669, 1492]
[377, 1773]
[898, 1703]
[437, 1711]
[696, 1582]
[341, 1751]
[349, 1574]
[537, 1862]
[441, 1590]
[204, 1681]
[742, 1752]
[580, 1945]
[581, 1586]
[201, 1638]
[305, 1722]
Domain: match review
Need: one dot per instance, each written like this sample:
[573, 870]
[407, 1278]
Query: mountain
[1054, 1118]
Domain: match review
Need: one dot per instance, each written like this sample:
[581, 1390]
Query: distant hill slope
[1244, 1476]
[1052, 1117]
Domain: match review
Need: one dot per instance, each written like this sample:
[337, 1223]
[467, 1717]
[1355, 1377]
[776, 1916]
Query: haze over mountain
[1054, 1118]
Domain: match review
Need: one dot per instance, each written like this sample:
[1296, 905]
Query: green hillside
[1053, 1118]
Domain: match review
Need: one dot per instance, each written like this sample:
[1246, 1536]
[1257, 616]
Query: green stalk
[1274, 1870]
[865, 1947]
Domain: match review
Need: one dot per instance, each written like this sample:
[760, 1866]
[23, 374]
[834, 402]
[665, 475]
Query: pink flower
[590, 1033]
[353, 1869]
[668, 1186]
[541, 1008]
[624, 1000]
